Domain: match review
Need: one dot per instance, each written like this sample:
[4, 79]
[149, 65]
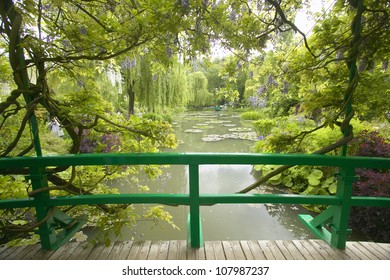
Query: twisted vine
[345, 126]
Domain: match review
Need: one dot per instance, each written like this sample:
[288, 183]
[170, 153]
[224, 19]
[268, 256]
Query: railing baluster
[196, 238]
[341, 212]
[46, 233]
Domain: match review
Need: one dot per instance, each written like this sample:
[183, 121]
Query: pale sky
[304, 22]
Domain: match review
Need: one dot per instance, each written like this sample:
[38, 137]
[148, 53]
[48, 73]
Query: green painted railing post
[47, 234]
[341, 212]
[196, 239]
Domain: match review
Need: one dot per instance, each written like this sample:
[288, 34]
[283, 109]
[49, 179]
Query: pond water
[211, 131]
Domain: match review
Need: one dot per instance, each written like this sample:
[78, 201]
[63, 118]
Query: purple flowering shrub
[374, 222]
[106, 143]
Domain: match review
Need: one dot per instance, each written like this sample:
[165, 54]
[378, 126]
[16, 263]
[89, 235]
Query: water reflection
[219, 222]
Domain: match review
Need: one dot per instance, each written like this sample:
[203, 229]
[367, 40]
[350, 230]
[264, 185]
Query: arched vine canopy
[53, 52]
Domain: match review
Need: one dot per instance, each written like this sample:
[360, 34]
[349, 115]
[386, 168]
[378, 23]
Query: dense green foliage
[110, 73]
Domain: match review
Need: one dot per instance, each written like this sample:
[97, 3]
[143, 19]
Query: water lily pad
[218, 121]
[194, 130]
[240, 129]
[203, 126]
[242, 136]
[235, 135]
[213, 138]
[229, 125]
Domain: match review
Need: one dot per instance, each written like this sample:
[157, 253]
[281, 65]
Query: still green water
[211, 131]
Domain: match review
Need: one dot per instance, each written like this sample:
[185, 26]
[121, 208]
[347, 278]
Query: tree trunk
[131, 95]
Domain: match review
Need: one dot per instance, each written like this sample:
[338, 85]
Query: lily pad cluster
[218, 121]
[235, 135]
[194, 130]
[240, 129]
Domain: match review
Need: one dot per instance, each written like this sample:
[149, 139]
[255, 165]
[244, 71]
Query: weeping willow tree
[199, 95]
[152, 86]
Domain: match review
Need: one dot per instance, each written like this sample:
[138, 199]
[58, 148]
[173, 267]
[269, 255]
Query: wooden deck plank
[339, 254]
[106, 252]
[135, 249]
[178, 249]
[153, 250]
[200, 254]
[351, 254]
[366, 252]
[191, 254]
[246, 250]
[82, 251]
[292, 249]
[163, 250]
[302, 249]
[209, 250]
[358, 254]
[256, 250]
[196, 254]
[214, 250]
[275, 250]
[3, 248]
[144, 252]
[336, 254]
[6, 251]
[173, 250]
[125, 250]
[386, 246]
[96, 251]
[227, 248]
[287, 254]
[34, 250]
[65, 251]
[43, 255]
[378, 249]
[315, 245]
[218, 250]
[266, 250]
[13, 254]
[20, 252]
[182, 247]
[116, 250]
[237, 250]
[312, 251]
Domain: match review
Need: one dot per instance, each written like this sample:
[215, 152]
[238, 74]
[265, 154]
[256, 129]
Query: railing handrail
[337, 214]
[195, 158]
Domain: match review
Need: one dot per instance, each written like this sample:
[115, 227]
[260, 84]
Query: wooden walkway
[213, 250]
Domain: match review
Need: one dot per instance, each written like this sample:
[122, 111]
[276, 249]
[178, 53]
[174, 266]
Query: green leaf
[317, 173]
[313, 181]
[144, 188]
[276, 180]
[333, 188]
[19, 222]
[258, 167]
[288, 182]
[330, 180]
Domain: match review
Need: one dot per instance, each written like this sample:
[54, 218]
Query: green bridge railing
[331, 225]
